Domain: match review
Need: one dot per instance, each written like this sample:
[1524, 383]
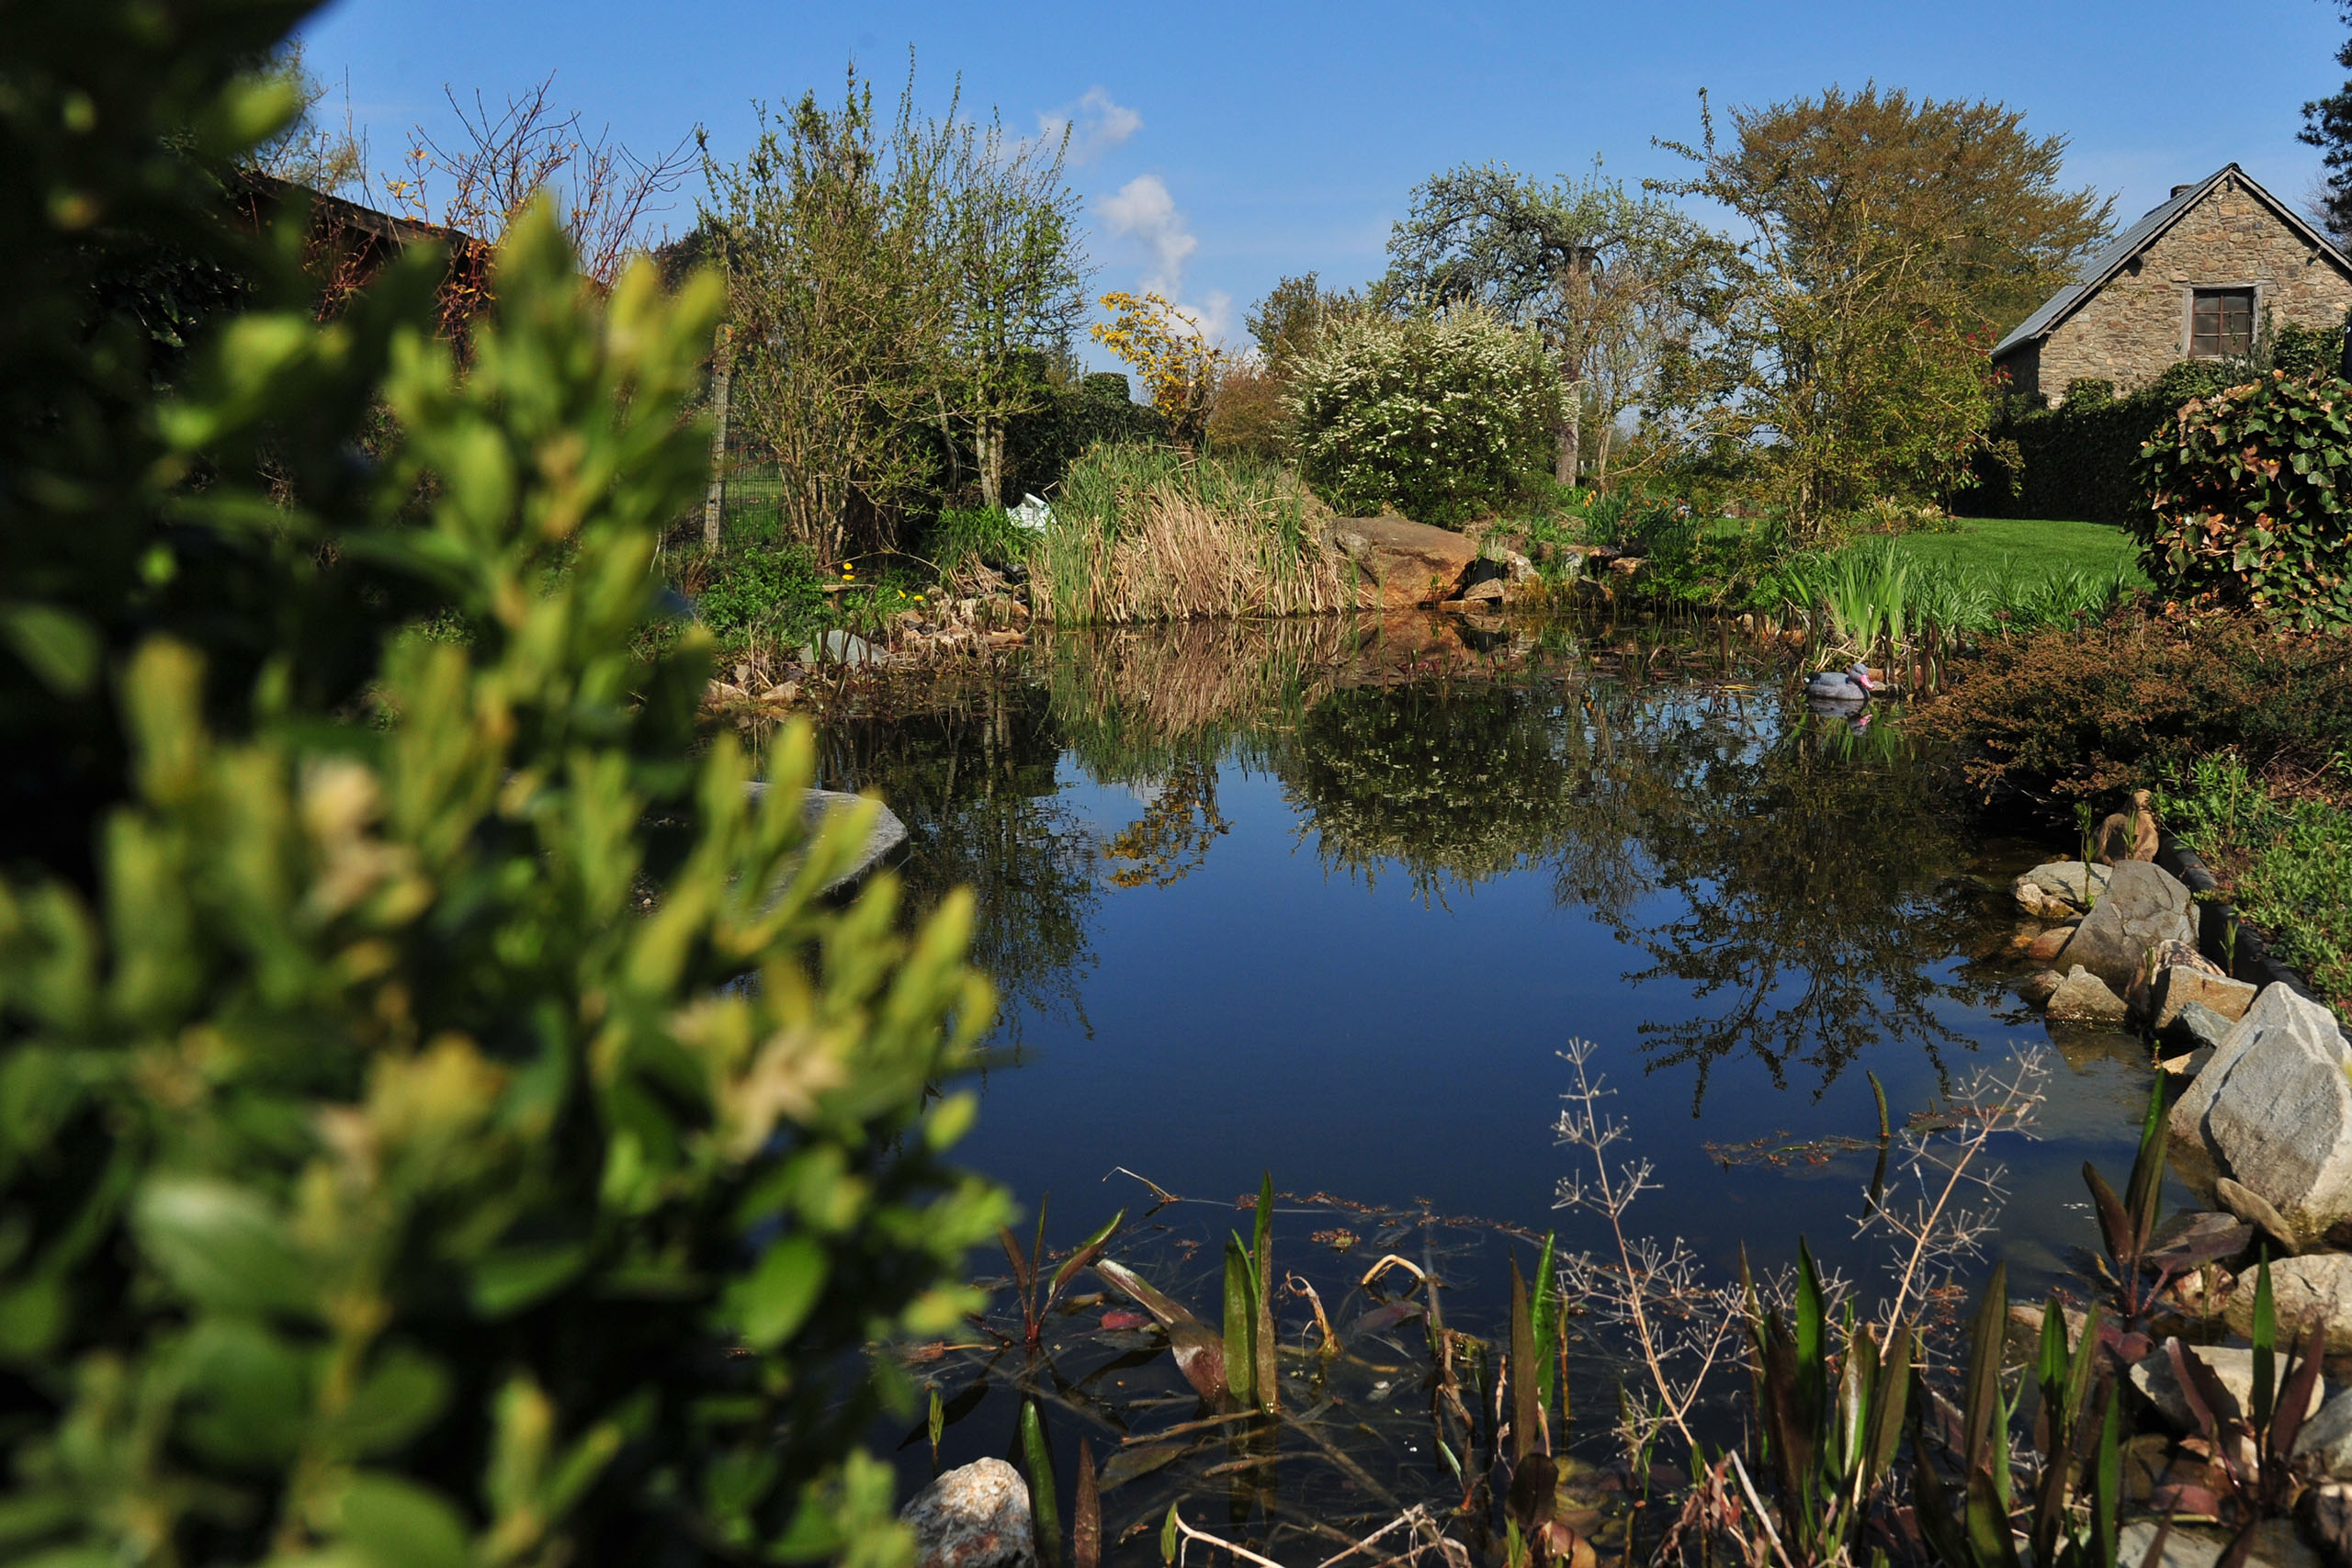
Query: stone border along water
[2253, 961]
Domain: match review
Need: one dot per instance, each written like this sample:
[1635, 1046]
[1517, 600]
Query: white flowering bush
[1440, 416]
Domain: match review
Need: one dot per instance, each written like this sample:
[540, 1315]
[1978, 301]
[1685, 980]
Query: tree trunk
[988, 450]
[1601, 458]
[714, 501]
[1567, 459]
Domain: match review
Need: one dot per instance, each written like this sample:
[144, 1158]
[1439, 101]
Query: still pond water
[1327, 899]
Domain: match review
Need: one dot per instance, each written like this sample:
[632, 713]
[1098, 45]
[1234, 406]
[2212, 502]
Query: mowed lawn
[2020, 548]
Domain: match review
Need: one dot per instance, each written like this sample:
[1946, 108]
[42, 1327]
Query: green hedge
[2076, 461]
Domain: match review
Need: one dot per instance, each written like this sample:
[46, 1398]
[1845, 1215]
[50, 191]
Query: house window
[2220, 324]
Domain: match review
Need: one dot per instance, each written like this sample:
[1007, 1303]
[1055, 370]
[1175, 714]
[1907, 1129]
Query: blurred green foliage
[404, 1161]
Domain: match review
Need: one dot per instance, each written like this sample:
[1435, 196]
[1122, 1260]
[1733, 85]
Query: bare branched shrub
[313, 152]
[479, 178]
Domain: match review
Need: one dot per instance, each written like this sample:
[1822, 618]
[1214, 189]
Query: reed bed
[1147, 534]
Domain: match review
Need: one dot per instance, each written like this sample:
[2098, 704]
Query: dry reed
[1144, 534]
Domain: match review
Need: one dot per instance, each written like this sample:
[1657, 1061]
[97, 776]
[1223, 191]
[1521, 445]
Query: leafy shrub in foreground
[390, 1174]
[1441, 417]
[2092, 711]
[2244, 508]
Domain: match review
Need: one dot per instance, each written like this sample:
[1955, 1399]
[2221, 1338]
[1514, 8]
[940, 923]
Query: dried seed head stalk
[1949, 1194]
[1680, 1326]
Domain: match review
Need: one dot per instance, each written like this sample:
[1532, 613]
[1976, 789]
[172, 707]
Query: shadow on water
[1329, 897]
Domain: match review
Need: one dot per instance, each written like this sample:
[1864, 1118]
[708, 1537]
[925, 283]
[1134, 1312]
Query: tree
[1166, 346]
[828, 230]
[396, 1168]
[1008, 245]
[1889, 243]
[2327, 125]
[1611, 281]
[1290, 319]
[486, 174]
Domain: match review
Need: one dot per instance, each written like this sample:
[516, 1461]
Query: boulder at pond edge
[2143, 906]
[2273, 1110]
[1400, 564]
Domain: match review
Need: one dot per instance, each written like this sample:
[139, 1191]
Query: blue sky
[1221, 145]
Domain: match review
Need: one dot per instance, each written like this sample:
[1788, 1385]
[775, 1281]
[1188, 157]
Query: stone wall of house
[2131, 330]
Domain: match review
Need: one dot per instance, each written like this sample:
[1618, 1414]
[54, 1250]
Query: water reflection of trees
[1818, 892]
[1455, 782]
[1803, 885]
[973, 780]
[1814, 888]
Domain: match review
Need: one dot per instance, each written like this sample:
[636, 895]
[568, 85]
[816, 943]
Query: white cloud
[1143, 211]
[1094, 124]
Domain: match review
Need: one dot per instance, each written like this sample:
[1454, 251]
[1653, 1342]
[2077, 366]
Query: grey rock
[2196, 1027]
[2233, 1368]
[2058, 889]
[975, 1515]
[2083, 998]
[2256, 1211]
[2040, 986]
[2182, 985]
[2143, 906]
[2276, 1545]
[886, 834]
[2325, 1441]
[2316, 1282]
[2274, 1109]
[2183, 1549]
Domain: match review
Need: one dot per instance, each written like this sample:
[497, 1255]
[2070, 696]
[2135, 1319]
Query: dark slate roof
[2093, 275]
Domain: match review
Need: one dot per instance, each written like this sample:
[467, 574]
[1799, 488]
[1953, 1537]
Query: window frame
[2222, 296]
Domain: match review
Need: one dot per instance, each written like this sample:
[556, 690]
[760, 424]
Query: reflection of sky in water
[1267, 996]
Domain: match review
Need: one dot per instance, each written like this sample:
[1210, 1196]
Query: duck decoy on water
[1849, 685]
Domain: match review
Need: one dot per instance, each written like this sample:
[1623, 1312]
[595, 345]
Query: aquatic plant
[1829, 1420]
[2073, 1501]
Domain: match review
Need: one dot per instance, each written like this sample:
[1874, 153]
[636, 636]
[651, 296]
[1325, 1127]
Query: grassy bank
[2016, 549]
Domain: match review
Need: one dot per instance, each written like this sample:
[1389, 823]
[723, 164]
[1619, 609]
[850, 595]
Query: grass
[2014, 548]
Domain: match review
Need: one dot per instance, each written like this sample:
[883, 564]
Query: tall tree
[2327, 125]
[1603, 275]
[1889, 243]
[827, 230]
[1008, 248]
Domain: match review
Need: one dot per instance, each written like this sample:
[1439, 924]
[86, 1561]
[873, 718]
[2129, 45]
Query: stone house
[2193, 279]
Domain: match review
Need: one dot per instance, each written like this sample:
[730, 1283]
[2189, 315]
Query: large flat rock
[886, 834]
[2274, 1109]
[1400, 564]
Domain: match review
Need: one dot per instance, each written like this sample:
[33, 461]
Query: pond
[1325, 900]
